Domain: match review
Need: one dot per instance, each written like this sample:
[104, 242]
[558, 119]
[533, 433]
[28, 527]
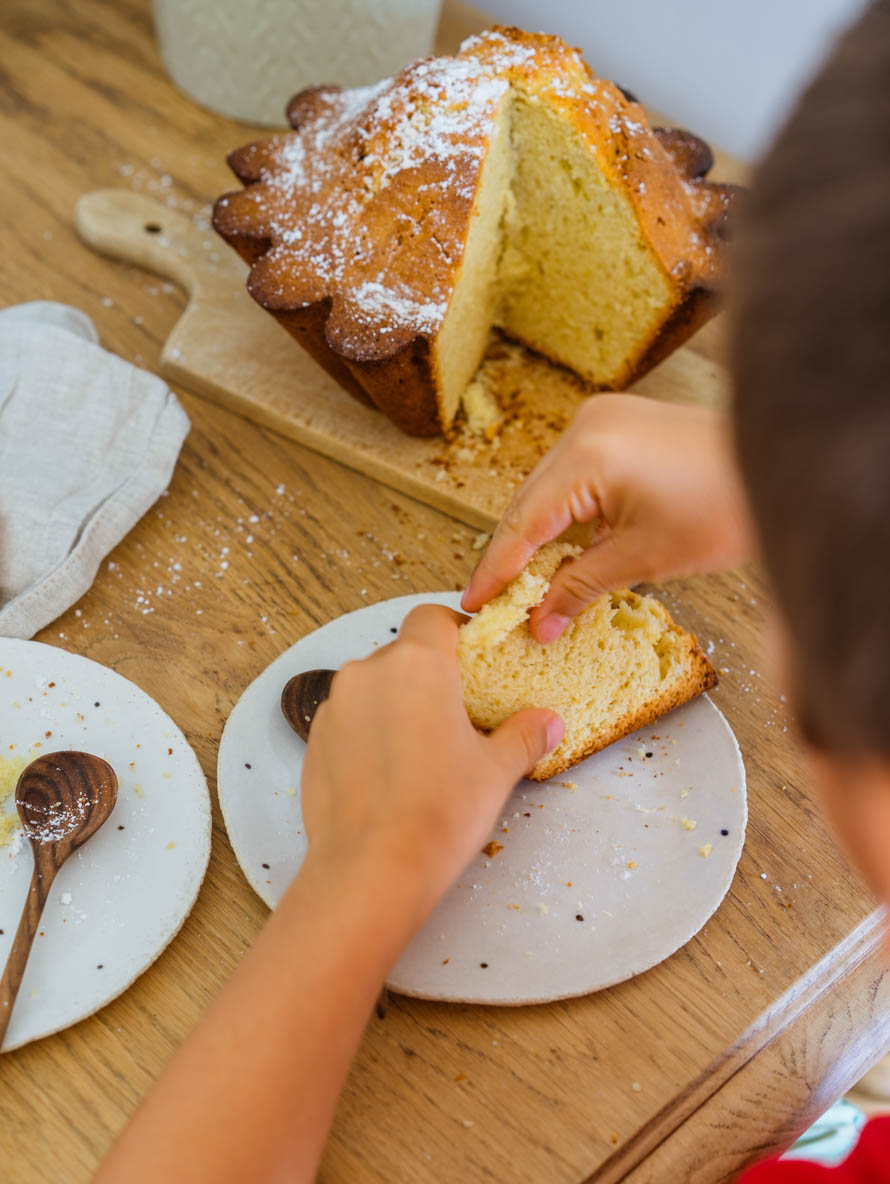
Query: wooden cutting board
[226, 348]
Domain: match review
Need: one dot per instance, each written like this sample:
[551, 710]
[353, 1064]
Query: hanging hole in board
[153, 227]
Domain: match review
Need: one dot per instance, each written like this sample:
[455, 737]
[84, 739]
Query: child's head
[811, 359]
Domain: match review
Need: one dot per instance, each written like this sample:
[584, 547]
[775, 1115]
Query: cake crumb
[706, 850]
[480, 405]
[688, 823]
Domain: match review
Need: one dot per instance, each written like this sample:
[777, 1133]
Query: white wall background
[727, 69]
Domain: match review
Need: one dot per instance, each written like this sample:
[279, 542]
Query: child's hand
[397, 780]
[656, 481]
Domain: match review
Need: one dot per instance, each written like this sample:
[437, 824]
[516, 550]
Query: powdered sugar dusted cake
[505, 186]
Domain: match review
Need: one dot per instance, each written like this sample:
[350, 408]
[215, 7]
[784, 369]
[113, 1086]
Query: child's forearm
[252, 1093]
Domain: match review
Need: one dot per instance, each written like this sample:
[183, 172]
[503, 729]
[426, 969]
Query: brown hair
[811, 365]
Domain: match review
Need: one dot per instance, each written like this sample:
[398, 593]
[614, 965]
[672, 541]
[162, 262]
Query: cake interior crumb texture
[554, 256]
[475, 304]
[620, 665]
[578, 282]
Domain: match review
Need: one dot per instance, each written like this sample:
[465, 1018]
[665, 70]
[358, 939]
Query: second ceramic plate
[602, 872]
[122, 897]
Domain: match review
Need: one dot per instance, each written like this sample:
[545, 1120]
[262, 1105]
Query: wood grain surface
[734, 1042]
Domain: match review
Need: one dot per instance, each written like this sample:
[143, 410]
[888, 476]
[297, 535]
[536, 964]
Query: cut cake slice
[620, 664]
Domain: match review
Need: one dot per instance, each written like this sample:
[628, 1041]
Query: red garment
[867, 1163]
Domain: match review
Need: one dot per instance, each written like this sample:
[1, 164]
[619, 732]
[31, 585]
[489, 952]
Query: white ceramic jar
[245, 58]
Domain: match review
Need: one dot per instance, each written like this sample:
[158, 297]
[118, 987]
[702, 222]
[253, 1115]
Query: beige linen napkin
[87, 443]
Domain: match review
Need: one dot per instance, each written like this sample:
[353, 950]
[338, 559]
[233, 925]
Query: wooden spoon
[62, 799]
[303, 696]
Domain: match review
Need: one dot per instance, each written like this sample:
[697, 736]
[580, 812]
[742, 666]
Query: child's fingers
[539, 512]
[601, 568]
[434, 625]
[524, 738]
[507, 554]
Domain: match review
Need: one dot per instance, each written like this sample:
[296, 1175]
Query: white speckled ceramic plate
[598, 878]
[121, 899]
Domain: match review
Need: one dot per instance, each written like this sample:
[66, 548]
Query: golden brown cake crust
[700, 677]
[354, 225]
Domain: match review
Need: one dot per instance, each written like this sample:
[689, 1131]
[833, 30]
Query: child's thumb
[524, 738]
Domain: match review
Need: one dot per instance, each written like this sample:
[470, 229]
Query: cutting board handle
[138, 229]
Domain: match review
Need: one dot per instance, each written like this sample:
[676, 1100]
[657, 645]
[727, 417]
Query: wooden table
[737, 1041]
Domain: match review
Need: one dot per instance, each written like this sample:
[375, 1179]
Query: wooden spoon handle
[41, 881]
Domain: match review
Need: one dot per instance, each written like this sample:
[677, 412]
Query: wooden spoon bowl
[63, 798]
[302, 696]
